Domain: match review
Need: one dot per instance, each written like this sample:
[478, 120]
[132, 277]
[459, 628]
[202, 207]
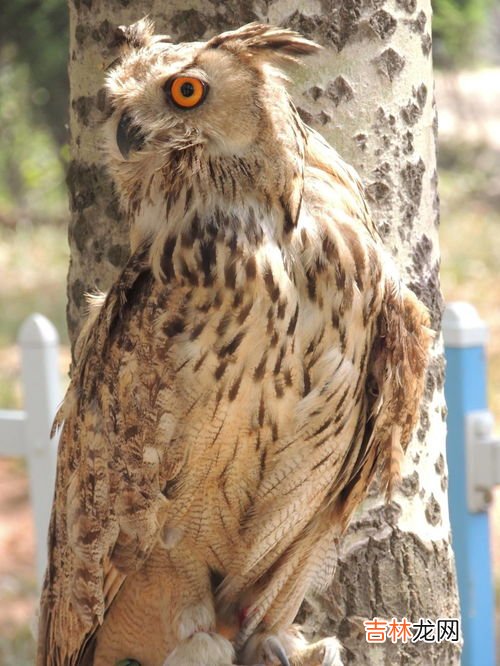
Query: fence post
[465, 391]
[39, 344]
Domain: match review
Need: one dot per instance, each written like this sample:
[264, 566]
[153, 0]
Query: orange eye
[186, 92]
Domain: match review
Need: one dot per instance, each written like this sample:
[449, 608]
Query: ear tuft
[136, 36]
[258, 38]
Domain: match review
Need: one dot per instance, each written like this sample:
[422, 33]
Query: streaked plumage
[255, 364]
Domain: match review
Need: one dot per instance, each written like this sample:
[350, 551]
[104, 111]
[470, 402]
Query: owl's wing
[395, 385]
[108, 503]
[78, 586]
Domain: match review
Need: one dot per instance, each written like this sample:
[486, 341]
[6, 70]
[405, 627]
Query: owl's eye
[186, 92]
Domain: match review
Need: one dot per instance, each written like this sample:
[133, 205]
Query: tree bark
[370, 92]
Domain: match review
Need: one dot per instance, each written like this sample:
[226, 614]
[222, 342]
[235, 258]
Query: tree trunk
[370, 93]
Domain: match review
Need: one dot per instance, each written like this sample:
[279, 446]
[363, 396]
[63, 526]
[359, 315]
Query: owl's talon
[272, 648]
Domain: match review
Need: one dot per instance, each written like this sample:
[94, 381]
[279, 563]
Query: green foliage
[457, 28]
[37, 34]
[33, 109]
[31, 171]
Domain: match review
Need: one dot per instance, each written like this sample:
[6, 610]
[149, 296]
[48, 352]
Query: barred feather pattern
[255, 364]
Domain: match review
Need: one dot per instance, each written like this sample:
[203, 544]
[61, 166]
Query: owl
[257, 362]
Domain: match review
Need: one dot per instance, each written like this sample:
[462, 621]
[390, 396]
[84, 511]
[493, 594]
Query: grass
[17, 647]
[470, 242]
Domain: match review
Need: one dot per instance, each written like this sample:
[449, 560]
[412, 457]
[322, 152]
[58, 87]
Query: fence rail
[25, 433]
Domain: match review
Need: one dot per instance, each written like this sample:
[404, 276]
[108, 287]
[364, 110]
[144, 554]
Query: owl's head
[225, 98]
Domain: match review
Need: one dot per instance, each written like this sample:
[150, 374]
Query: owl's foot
[202, 649]
[326, 652]
[289, 648]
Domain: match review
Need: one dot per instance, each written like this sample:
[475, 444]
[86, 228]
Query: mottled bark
[371, 94]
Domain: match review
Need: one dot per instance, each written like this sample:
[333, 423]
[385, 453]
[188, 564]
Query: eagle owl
[255, 364]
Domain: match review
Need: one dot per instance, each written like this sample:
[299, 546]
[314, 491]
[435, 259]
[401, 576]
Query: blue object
[465, 391]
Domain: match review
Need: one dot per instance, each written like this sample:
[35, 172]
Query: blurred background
[33, 213]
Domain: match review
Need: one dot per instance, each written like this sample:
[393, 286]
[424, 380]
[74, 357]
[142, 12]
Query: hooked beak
[128, 136]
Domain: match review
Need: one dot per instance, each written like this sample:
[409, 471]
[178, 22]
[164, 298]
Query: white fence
[26, 433]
